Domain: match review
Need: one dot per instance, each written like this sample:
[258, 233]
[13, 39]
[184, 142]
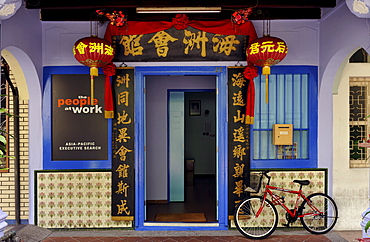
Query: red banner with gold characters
[238, 136]
[180, 40]
[123, 140]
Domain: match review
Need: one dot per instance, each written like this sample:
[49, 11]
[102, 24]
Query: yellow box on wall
[282, 134]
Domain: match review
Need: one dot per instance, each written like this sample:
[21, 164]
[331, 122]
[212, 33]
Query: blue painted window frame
[48, 163]
[311, 162]
[221, 105]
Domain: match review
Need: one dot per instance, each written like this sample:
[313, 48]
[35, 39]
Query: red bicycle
[256, 217]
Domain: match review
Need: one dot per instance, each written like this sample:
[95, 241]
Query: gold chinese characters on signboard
[123, 148]
[239, 131]
[175, 45]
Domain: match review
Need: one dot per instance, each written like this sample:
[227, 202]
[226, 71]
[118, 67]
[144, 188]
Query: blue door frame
[221, 143]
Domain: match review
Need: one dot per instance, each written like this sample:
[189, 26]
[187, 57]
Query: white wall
[351, 185]
[199, 146]
[341, 34]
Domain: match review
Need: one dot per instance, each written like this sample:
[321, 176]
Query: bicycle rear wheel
[249, 224]
[320, 214]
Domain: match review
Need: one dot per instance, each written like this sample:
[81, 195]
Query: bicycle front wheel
[252, 225]
[319, 214]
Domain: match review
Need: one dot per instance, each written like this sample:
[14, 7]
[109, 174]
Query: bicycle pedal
[286, 225]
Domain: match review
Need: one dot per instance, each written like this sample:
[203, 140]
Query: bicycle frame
[277, 200]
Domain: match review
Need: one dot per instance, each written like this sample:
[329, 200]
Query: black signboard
[238, 137]
[123, 157]
[79, 130]
[178, 45]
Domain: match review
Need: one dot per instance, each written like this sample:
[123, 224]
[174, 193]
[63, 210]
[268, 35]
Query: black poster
[238, 137]
[79, 129]
[179, 45]
[123, 146]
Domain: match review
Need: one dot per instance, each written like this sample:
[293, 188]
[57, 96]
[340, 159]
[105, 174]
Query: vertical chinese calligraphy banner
[123, 134]
[238, 137]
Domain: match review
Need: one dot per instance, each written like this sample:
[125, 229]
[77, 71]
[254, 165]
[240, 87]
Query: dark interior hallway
[199, 198]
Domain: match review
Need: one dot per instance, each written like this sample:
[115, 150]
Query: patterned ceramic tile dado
[83, 199]
[75, 200]
[285, 179]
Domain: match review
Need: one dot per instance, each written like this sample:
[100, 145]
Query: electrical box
[282, 134]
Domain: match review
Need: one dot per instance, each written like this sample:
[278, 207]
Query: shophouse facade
[312, 83]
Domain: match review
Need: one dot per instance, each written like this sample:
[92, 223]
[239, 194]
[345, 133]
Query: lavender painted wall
[59, 38]
[301, 36]
[21, 41]
[23, 30]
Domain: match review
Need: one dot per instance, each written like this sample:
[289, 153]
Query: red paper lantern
[93, 52]
[265, 52]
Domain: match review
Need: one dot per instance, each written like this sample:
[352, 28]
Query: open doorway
[151, 162]
[180, 146]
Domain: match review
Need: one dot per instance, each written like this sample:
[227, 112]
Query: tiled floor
[292, 238]
[285, 234]
[199, 198]
[32, 233]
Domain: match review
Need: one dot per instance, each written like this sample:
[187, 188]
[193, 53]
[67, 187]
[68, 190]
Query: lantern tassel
[267, 89]
[266, 70]
[92, 89]
[93, 72]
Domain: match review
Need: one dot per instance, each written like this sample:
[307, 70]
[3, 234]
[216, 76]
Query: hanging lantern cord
[266, 25]
[93, 70]
[93, 24]
[91, 32]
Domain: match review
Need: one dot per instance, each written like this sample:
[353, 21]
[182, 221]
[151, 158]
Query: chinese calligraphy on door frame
[238, 137]
[123, 155]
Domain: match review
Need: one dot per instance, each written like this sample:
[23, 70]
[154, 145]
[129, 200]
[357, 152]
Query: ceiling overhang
[81, 10]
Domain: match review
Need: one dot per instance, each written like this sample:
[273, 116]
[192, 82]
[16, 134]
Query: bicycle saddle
[302, 182]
